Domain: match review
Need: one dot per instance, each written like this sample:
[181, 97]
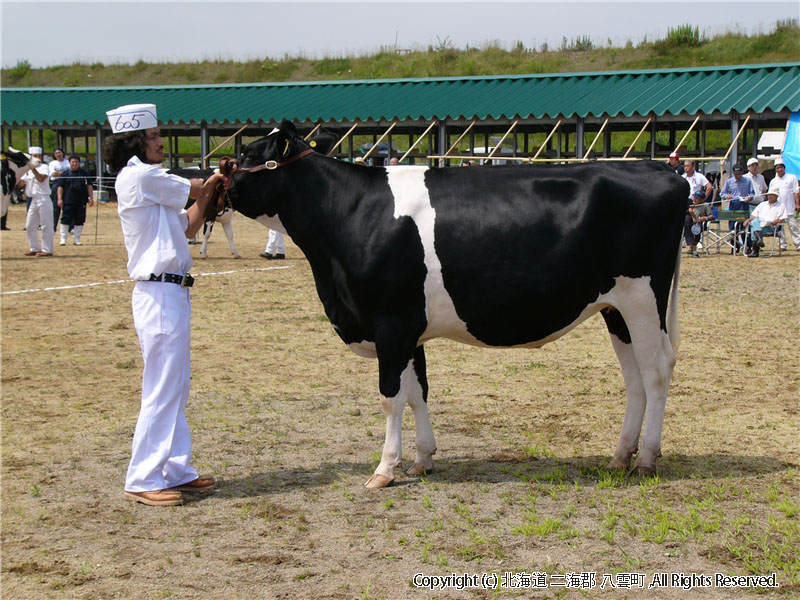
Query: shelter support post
[461, 137]
[579, 130]
[225, 141]
[502, 139]
[203, 144]
[419, 139]
[636, 139]
[310, 133]
[547, 139]
[379, 140]
[343, 138]
[596, 137]
[735, 140]
[686, 135]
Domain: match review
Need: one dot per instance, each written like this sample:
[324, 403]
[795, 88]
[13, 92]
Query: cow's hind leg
[418, 400]
[656, 359]
[634, 387]
[207, 229]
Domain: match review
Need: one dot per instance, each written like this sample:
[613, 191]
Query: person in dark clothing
[74, 193]
[675, 163]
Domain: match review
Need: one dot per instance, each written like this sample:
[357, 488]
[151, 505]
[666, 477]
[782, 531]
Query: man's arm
[196, 212]
[39, 176]
[91, 194]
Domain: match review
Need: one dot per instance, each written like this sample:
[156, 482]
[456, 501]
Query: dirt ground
[290, 422]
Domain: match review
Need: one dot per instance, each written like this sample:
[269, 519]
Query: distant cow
[221, 213]
[511, 256]
[14, 165]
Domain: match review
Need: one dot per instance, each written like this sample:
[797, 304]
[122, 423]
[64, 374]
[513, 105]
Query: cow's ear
[288, 128]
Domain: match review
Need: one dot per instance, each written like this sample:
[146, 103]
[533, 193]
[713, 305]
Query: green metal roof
[742, 88]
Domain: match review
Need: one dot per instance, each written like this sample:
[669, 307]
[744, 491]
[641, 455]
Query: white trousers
[40, 213]
[162, 444]
[275, 243]
[794, 231]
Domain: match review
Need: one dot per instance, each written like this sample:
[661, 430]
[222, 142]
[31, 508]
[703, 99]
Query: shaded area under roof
[758, 88]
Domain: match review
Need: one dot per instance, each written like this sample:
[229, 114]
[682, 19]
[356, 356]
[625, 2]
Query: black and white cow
[14, 165]
[511, 256]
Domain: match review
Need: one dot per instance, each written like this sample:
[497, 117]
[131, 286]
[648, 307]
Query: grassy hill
[683, 46]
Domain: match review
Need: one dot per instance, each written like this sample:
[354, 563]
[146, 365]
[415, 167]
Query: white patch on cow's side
[275, 130]
[364, 349]
[411, 199]
[271, 222]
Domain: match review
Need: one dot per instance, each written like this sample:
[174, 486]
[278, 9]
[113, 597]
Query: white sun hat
[774, 187]
[132, 117]
[34, 150]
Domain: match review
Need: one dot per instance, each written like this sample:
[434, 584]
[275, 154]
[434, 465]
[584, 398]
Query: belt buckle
[187, 281]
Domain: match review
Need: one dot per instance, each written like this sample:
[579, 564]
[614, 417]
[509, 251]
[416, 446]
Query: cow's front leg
[418, 401]
[227, 227]
[392, 454]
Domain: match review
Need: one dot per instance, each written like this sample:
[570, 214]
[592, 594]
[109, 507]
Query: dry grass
[291, 423]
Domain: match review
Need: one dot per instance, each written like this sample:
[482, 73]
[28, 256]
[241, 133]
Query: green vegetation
[684, 46]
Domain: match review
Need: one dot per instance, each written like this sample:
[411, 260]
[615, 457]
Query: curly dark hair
[119, 148]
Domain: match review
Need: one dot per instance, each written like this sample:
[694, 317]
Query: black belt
[182, 280]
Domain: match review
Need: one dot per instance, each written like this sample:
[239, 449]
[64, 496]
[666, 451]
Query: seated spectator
[765, 217]
[698, 213]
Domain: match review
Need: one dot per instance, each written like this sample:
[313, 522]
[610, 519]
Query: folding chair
[769, 231]
[720, 237]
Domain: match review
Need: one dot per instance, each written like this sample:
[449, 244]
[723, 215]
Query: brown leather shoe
[156, 497]
[30, 253]
[44, 254]
[198, 486]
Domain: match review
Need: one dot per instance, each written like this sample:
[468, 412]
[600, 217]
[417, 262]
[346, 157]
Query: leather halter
[270, 165]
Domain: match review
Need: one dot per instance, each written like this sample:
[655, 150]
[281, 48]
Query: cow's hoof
[418, 470]
[640, 471]
[378, 481]
[617, 465]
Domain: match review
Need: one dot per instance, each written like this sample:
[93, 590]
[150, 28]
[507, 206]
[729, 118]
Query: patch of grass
[683, 46]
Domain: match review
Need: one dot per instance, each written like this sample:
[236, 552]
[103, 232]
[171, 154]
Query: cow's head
[20, 162]
[260, 190]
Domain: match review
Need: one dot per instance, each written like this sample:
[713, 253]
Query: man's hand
[197, 211]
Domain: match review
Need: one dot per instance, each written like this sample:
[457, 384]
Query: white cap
[35, 150]
[752, 161]
[133, 117]
[779, 161]
[774, 187]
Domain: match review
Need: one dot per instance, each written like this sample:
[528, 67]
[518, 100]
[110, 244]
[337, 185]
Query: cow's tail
[673, 325]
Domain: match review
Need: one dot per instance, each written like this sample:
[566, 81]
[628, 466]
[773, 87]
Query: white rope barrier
[98, 283]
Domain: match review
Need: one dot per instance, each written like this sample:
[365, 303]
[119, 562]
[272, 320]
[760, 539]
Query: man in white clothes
[58, 167]
[759, 185]
[156, 227]
[766, 215]
[697, 181]
[37, 188]
[790, 198]
[276, 249]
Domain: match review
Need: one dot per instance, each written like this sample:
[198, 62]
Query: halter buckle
[271, 165]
